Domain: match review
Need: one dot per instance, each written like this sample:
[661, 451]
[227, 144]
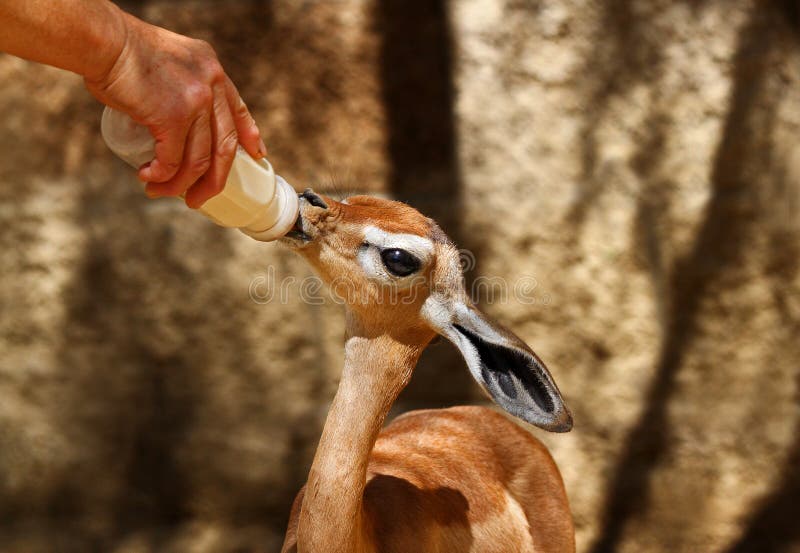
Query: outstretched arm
[81, 36]
[173, 84]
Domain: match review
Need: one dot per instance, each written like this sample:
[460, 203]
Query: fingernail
[151, 193]
[262, 149]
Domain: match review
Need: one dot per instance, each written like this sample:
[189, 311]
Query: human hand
[176, 87]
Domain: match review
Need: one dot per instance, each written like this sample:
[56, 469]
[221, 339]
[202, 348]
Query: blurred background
[637, 164]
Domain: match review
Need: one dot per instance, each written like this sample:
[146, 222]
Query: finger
[196, 161]
[246, 128]
[170, 145]
[225, 141]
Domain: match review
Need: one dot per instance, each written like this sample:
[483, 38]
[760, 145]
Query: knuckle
[170, 169]
[213, 69]
[228, 143]
[162, 171]
[171, 164]
[251, 132]
[204, 48]
[200, 165]
[216, 71]
[197, 96]
[241, 110]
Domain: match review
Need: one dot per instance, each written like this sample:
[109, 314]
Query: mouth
[296, 232]
[297, 235]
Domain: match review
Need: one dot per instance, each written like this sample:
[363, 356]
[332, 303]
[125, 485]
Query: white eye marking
[377, 240]
[419, 246]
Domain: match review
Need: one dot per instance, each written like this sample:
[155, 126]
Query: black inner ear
[499, 363]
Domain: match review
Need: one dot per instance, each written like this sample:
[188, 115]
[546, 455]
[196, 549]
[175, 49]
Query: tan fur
[464, 479]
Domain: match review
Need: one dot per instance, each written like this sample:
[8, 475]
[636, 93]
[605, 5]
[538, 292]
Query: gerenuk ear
[508, 370]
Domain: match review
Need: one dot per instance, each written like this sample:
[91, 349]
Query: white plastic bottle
[255, 200]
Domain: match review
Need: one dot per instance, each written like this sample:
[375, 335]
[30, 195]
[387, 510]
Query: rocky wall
[624, 178]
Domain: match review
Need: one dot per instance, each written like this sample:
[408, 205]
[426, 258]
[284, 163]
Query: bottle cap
[130, 141]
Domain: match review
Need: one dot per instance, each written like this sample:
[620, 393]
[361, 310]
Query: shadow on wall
[416, 69]
[730, 215]
[143, 398]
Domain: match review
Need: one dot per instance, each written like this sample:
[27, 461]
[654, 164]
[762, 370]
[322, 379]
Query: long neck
[376, 369]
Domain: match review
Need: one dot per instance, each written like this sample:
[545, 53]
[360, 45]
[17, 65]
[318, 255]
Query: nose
[313, 198]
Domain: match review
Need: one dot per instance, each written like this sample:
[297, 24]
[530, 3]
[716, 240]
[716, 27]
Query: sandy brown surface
[630, 169]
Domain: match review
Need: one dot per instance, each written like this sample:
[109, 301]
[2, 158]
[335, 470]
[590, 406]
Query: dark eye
[399, 262]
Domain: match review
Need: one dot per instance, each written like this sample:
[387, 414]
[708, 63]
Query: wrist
[108, 42]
